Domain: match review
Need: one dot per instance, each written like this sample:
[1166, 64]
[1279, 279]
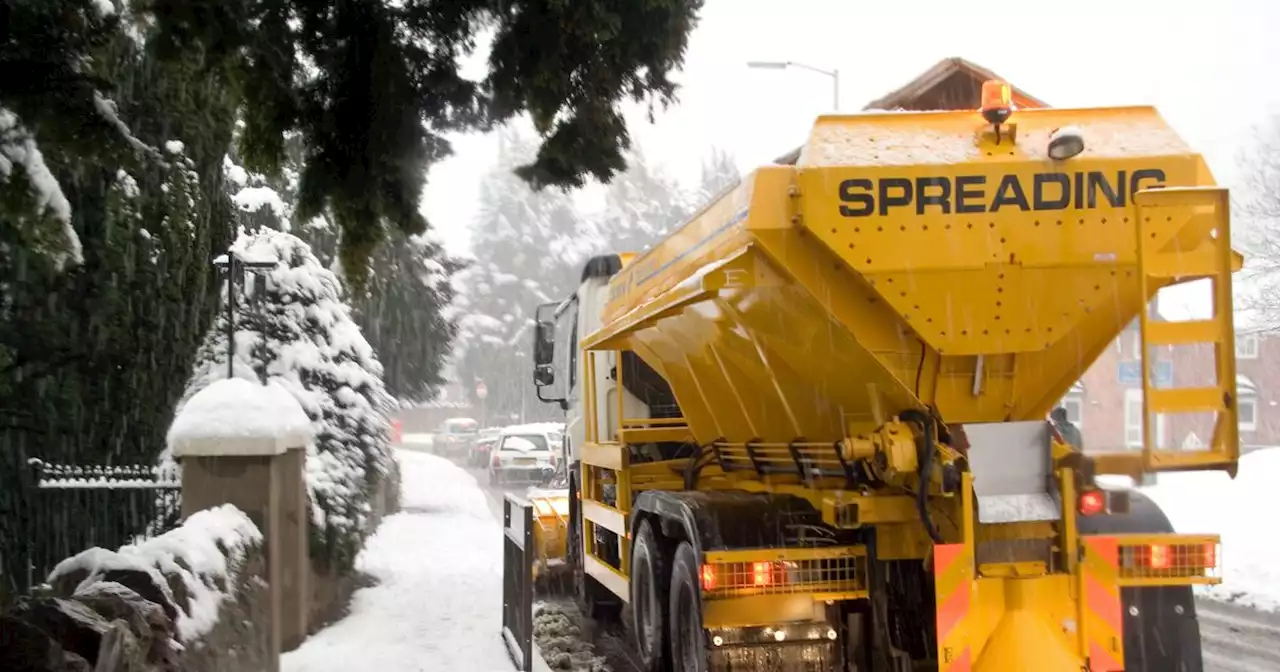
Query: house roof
[939, 74]
[942, 74]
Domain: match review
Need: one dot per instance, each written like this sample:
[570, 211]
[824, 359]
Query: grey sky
[1205, 64]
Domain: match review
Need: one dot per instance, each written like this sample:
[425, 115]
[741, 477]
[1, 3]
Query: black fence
[64, 509]
[517, 580]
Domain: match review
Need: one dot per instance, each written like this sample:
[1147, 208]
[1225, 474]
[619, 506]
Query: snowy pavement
[438, 599]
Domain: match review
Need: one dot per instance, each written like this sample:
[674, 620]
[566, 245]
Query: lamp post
[234, 266]
[783, 65]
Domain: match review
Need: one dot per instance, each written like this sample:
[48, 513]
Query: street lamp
[783, 65]
[234, 266]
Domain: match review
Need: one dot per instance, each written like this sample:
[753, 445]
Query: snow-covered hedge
[298, 332]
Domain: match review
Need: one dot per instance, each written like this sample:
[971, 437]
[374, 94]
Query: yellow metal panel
[608, 577]
[871, 510]
[607, 455]
[605, 516]
[784, 554]
[757, 610]
[637, 435]
[1183, 333]
[1026, 624]
[1185, 400]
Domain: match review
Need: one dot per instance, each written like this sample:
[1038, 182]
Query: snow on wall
[204, 553]
[234, 408]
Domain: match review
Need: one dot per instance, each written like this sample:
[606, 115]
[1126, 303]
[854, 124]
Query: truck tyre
[649, 579]
[684, 617]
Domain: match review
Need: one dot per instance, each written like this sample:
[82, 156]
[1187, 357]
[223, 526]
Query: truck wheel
[649, 580]
[688, 640]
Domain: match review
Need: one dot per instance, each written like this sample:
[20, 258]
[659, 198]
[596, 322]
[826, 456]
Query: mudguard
[1161, 633]
[725, 519]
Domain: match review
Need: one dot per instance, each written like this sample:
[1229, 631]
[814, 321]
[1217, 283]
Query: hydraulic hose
[924, 469]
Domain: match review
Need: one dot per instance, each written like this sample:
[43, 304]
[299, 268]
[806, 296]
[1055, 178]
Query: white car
[525, 453]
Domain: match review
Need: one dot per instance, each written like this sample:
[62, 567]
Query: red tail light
[1210, 553]
[1159, 556]
[708, 578]
[761, 573]
[1092, 502]
[495, 462]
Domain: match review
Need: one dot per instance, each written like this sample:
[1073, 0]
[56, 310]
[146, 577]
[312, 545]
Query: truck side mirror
[544, 343]
[543, 375]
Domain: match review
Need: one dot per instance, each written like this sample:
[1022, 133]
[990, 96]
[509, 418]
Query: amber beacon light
[997, 101]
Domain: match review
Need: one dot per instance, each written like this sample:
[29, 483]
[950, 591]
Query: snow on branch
[20, 158]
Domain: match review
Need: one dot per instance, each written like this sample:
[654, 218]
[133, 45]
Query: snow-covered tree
[719, 172]
[642, 205]
[401, 307]
[1256, 229]
[298, 330]
[528, 248]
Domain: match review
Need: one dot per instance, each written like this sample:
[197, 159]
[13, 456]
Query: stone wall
[186, 600]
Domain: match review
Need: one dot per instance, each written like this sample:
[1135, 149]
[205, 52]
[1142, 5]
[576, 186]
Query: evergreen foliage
[373, 86]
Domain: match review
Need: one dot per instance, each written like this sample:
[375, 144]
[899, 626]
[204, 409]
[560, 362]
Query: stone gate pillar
[244, 444]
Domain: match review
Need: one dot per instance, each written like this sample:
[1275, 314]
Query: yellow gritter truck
[808, 430]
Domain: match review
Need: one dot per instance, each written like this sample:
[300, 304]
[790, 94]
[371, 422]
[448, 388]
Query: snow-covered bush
[298, 331]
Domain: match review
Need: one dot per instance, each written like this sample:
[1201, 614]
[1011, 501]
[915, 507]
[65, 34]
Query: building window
[1247, 347]
[1246, 404]
[1133, 418]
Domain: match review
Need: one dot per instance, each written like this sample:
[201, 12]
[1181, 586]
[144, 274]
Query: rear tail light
[1178, 559]
[708, 578]
[1158, 556]
[495, 462]
[1092, 502]
[761, 573]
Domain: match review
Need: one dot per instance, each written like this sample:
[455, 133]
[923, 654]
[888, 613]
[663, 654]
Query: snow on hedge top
[234, 408]
[203, 554]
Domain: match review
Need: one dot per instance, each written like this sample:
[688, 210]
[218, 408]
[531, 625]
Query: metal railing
[62, 509]
[517, 580]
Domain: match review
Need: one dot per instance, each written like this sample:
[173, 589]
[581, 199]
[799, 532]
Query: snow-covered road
[438, 599]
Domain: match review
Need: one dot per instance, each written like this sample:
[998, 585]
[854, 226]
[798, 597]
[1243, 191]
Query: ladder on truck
[1200, 249]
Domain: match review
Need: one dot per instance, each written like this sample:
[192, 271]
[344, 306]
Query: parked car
[524, 454]
[455, 437]
[483, 445]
